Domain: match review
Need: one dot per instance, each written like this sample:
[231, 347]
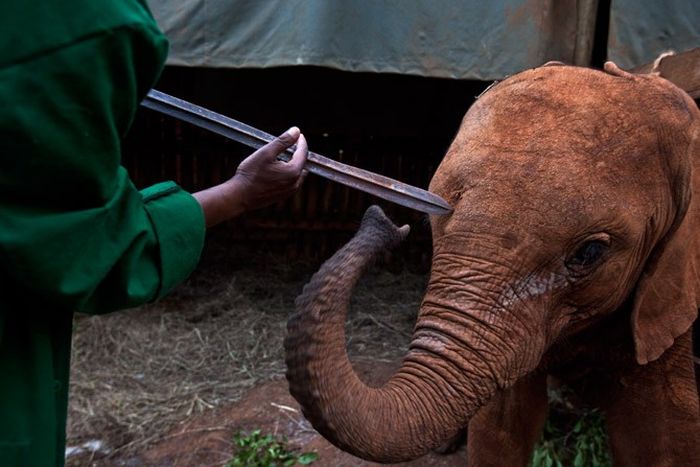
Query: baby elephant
[572, 251]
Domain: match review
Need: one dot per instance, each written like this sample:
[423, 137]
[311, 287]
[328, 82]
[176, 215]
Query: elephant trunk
[440, 385]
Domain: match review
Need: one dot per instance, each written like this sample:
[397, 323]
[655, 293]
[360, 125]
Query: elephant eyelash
[588, 254]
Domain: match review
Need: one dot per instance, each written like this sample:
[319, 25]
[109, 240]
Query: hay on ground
[137, 374]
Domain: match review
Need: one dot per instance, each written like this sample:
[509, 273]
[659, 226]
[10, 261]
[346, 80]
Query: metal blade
[369, 182]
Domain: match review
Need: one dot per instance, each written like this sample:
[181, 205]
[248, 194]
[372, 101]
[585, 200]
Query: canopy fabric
[463, 39]
[467, 39]
[641, 31]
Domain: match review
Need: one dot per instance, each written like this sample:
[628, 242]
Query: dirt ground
[206, 440]
[171, 383]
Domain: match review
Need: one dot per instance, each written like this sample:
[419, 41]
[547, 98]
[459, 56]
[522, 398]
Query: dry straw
[139, 374]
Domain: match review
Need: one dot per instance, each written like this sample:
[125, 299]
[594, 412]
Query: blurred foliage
[573, 441]
[257, 450]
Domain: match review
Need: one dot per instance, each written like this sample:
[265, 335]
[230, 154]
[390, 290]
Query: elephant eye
[587, 254]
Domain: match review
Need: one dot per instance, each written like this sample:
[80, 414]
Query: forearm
[220, 202]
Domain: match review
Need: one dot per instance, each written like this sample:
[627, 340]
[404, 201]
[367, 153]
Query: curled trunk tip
[375, 221]
[318, 369]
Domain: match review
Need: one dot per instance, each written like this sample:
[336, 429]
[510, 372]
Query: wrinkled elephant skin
[572, 251]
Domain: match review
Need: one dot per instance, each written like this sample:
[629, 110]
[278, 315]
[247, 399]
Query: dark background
[396, 125]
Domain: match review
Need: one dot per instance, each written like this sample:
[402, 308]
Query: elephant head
[571, 190]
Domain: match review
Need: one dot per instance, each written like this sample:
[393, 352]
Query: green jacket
[75, 235]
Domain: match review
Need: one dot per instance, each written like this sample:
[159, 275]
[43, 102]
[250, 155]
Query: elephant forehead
[562, 139]
[540, 198]
[555, 92]
[565, 181]
[561, 110]
[574, 109]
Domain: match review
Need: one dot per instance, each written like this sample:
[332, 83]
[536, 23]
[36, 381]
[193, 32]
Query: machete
[375, 184]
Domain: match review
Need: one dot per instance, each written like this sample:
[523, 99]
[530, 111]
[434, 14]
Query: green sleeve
[74, 232]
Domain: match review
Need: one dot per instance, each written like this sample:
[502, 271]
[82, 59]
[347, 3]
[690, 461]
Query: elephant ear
[666, 299]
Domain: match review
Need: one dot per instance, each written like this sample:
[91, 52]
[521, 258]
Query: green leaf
[307, 458]
[537, 457]
[258, 450]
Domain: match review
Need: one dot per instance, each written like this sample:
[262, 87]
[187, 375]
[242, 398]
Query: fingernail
[294, 131]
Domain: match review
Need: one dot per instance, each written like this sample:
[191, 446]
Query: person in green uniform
[75, 235]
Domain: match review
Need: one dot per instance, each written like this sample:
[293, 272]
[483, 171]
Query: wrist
[222, 202]
[233, 192]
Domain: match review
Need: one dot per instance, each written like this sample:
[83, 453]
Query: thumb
[281, 143]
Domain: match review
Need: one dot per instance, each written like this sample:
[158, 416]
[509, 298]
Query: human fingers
[298, 160]
[300, 180]
[278, 145]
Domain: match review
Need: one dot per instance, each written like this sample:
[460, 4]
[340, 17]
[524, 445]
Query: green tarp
[640, 31]
[466, 39]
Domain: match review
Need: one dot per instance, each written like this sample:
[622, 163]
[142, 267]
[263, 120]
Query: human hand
[260, 180]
